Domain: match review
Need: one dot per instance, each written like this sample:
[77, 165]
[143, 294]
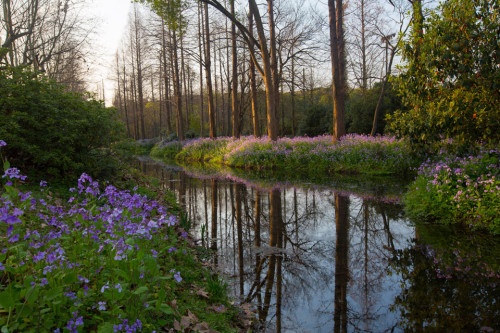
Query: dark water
[338, 254]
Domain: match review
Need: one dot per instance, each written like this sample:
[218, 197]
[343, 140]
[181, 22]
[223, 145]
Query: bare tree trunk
[201, 46]
[234, 92]
[177, 85]
[183, 76]
[208, 74]
[269, 70]
[292, 95]
[364, 74]
[253, 85]
[382, 92]
[338, 66]
[166, 77]
[138, 58]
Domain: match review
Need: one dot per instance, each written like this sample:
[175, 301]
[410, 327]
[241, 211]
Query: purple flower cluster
[126, 327]
[54, 242]
[469, 185]
[353, 150]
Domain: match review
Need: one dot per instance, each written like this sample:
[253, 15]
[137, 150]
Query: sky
[111, 19]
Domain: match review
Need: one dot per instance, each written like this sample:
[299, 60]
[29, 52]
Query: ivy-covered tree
[451, 80]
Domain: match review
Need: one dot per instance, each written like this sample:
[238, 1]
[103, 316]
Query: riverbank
[99, 258]
[352, 154]
[448, 188]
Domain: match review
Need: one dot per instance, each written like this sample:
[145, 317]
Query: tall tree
[234, 90]
[337, 51]
[137, 42]
[208, 76]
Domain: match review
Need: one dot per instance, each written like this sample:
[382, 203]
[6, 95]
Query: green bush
[451, 80]
[51, 130]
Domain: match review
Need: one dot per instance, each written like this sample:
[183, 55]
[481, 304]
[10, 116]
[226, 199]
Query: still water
[336, 255]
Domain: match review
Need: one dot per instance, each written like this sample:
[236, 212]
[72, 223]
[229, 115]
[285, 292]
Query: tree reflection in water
[315, 260]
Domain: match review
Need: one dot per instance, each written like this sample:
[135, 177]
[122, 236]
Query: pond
[336, 254]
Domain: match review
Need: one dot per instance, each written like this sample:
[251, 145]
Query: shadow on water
[323, 255]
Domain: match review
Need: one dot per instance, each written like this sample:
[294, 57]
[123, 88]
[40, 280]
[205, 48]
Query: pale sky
[111, 17]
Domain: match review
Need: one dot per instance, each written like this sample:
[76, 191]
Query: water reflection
[316, 259]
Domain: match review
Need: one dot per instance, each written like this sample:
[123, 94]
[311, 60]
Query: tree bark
[208, 74]
[335, 11]
[177, 87]
[234, 90]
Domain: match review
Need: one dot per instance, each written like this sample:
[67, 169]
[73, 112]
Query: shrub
[458, 190]
[451, 80]
[51, 129]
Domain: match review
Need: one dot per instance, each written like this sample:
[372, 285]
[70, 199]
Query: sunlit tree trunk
[335, 11]
[177, 84]
[234, 90]
[208, 74]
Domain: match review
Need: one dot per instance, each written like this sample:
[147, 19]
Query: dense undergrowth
[351, 154]
[104, 260]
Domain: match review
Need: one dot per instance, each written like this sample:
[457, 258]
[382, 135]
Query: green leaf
[122, 274]
[166, 309]
[105, 328]
[6, 300]
[6, 165]
[70, 278]
[140, 290]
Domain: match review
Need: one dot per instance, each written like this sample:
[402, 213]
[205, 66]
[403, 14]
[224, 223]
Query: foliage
[133, 147]
[51, 129]
[451, 82]
[360, 108]
[458, 190]
[171, 11]
[106, 260]
[318, 120]
[353, 153]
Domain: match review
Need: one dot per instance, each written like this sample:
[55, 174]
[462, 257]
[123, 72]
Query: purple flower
[2, 267]
[155, 253]
[14, 238]
[44, 282]
[172, 249]
[43, 183]
[119, 287]
[106, 286]
[177, 277]
[2, 143]
[102, 306]
[13, 173]
[39, 256]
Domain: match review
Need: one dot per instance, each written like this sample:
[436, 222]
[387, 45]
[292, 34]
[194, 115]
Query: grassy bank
[458, 190]
[100, 260]
[351, 154]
